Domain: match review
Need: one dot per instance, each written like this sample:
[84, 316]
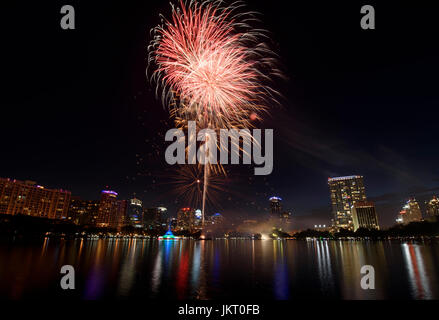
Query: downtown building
[411, 212]
[189, 219]
[275, 207]
[83, 212]
[344, 193]
[112, 212]
[364, 215]
[185, 219]
[277, 215]
[215, 219]
[134, 216]
[155, 218]
[28, 198]
[432, 209]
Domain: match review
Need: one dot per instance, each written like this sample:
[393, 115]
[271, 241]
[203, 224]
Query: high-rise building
[411, 212]
[173, 222]
[275, 207]
[121, 213]
[134, 217]
[83, 212]
[364, 215]
[433, 208]
[28, 198]
[107, 208]
[197, 219]
[149, 215]
[112, 212]
[163, 216]
[185, 218]
[216, 219]
[154, 218]
[345, 192]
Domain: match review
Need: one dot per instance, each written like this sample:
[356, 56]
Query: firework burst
[211, 66]
[188, 182]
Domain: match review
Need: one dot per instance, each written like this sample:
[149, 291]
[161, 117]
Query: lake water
[187, 269]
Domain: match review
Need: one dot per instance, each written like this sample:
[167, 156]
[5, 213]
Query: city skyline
[116, 212]
[103, 126]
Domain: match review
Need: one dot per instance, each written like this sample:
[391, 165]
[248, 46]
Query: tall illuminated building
[107, 208]
[432, 208]
[121, 213]
[364, 215]
[134, 216]
[411, 212]
[216, 218]
[83, 212]
[345, 192]
[28, 198]
[154, 218]
[111, 212]
[173, 223]
[186, 218]
[197, 219]
[275, 207]
[161, 220]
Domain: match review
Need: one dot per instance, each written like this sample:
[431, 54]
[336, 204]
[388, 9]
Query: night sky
[78, 112]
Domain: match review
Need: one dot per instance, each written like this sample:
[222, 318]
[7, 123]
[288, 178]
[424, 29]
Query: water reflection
[418, 278]
[198, 271]
[324, 264]
[157, 272]
[96, 279]
[281, 277]
[182, 273]
[215, 269]
[128, 269]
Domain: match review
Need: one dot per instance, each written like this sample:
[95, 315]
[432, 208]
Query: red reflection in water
[416, 271]
[182, 276]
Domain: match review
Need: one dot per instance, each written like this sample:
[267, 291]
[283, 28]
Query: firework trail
[211, 66]
[188, 182]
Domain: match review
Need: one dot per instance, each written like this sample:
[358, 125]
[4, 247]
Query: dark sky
[78, 112]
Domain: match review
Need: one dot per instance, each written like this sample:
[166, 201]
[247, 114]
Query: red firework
[211, 65]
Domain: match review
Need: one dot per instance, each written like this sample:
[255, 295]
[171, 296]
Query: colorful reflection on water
[186, 269]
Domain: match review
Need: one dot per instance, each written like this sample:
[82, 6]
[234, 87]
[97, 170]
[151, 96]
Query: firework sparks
[188, 182]
[211, 66]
